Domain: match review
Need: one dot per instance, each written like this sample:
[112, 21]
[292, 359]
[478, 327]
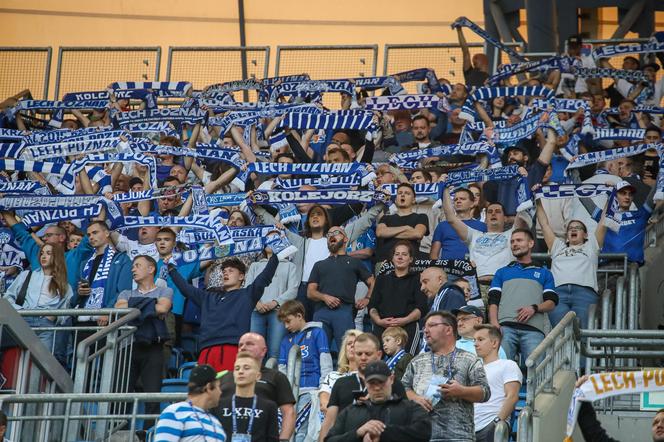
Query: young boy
[396, 358]
[316, 359]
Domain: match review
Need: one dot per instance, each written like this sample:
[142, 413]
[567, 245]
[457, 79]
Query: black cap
[201, 375]
[468, 310]
[377, 370]
[574, 40]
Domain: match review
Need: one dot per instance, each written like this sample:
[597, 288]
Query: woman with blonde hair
[45, 288]
[346, 365]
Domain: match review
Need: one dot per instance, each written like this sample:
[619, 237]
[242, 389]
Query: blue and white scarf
[59, 135]
[464, 22]
[393, 360]
[472, 149]
[11, 134]
[609, 154]
[60, 105]
[645, 109]
[313, 169]
[311, 87]
[562, 191]
[422, 190]
[94, 143]
[11, 150]
[40, 166]
[609, 51]
[324, 182]
[335, 196]
[161, 88]
[409, 102]
[68, 178]
[176, 114]
[206, 222]
[488, 93]
[19, 187]
[232, 86]
[98, 280]
[523, 192]
[350, 119]
[619, 134]
[373, 83]
[424, 74]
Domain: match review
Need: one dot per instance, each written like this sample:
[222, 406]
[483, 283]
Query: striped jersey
[184, 422]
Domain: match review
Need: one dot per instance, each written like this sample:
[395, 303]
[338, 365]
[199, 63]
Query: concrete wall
[167, 23]
[550, 419]
[652, 287]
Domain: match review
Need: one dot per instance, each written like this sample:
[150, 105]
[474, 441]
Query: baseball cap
[574, 40]
[625, 185]
[377, 370]
[201, 375]
[468, 310]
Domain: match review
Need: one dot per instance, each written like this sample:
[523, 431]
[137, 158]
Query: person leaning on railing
[45, 288]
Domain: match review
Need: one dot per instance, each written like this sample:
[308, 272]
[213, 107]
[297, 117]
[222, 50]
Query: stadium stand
[148, 228]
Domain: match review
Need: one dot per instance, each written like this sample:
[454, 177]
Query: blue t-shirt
[312, 342]
[365, 241]
[452, 247]
[631, 235]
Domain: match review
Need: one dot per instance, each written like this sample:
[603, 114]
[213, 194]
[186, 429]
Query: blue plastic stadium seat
[185, 369]
[189, 343]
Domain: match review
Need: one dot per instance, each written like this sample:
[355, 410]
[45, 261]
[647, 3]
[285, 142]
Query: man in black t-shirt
[332, 284]
[349, 388]
[244, 413]
[272, 385]
[405, 224]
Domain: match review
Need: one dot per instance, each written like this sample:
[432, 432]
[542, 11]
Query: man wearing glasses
[332, 285]
[446, 381]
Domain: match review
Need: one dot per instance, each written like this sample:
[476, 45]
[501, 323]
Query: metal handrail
[112, 327]
[557, 350]
[633, 297]
[501, 433]
[525, 420]
[67, 417]
[26, 338]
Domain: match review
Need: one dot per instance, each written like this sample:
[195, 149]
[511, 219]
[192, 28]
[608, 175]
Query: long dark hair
[326, 226]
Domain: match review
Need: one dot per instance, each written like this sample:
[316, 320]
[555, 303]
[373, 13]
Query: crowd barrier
[25, 68]
[94, 68]
[203, 65]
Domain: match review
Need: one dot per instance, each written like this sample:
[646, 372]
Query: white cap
[625, 185]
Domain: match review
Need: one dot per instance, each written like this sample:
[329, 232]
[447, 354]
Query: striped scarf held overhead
[488, 93]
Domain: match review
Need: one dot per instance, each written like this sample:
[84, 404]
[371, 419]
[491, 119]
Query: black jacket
[590, 427]
[151, 329]
[404, 421]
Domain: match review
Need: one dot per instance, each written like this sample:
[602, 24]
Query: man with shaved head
[272, 385]
[442, 295]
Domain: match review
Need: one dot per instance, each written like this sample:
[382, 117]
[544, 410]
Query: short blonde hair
[396, 333]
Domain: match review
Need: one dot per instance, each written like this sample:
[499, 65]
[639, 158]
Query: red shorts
[220, 357]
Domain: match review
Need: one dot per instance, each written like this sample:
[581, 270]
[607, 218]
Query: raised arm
[467, 65]
[549, 236]
[450, 215]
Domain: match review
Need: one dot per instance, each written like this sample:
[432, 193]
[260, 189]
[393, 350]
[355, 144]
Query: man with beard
[332, 285]
[405, 224]
[520, 294]
[504, 191]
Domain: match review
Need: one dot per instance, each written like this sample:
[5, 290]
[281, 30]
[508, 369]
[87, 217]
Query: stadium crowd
[391, 240]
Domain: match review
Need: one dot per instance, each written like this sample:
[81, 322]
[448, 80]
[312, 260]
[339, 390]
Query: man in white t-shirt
[504, 378]
[489, 250]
